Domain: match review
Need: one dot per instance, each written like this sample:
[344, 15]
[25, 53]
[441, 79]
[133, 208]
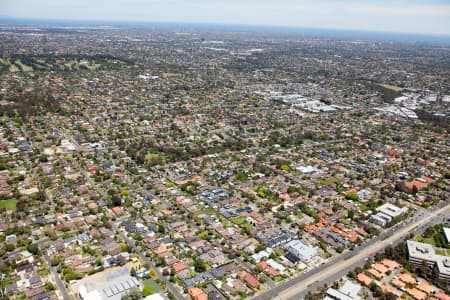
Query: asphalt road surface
[58, 281]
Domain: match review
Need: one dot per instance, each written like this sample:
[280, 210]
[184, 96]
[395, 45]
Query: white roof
[307, 169]
[154, 297]
[301, 250]
[392, 210]
[447, 234]
[443, 264]
[276, 265]
[114, 289]
[333, 294]
[260, 255]
[85, 295]
[420, 250]
[351, 289]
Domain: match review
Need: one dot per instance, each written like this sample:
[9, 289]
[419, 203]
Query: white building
[349, 291]
[303, 252]
[156, 296]
[392, 210]
[68, 145]
[386, 213]
[307, 169]
[276, 266]
[257, 257]
[112, 290]
[420, 253]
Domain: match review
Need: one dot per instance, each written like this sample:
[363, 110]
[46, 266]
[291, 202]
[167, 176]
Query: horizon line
[7, 20]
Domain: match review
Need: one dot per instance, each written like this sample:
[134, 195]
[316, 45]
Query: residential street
[132, 244]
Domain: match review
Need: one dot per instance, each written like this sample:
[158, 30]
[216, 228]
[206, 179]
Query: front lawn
[153, 285]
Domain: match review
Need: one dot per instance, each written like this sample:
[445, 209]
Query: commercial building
[349, 291]
[386, 213]
[420, 254]
[297, 251]
[112, 290]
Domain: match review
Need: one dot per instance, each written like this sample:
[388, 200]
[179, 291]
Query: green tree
[56, 260]
[49, 287]
[9, 247]
[352, 196]
[33, 249]
[147, 291]
[199, 265]
[153, 159]
[351, 214]
[133, 294]
[285, 168]
[241, 177]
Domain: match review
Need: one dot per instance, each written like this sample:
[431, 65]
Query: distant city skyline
[414, 16]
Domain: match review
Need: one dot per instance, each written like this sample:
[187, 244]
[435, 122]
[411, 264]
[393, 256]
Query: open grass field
[238, 220]
[421, 239]
[153, 285]
[441, 251]
[8, 204]
[23, 67]
[391, 87]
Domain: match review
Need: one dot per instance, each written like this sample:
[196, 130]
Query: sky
[407, 16]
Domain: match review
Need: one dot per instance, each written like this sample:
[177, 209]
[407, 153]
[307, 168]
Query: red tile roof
[392, 265]
[375, 273]
[407, 278]
[442, 296]
[197, 294]
[364, 279]
[179, 267]
[251, 280]
[425, 287]
[416, 294]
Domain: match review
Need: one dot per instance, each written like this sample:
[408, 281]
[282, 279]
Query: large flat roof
[114, 289]
[443, 264]
[420, 250]
[426, 252]
[303, 251]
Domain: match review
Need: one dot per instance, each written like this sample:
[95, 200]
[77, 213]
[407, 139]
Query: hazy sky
[415, 16]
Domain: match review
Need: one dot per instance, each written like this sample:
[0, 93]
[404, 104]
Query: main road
[298, 287]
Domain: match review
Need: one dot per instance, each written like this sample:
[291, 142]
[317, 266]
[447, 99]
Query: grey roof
[11, 288]
[115, 288]
[425, 252]
[420, 250]
[443, 265]
[35, 279]
[213, 293]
